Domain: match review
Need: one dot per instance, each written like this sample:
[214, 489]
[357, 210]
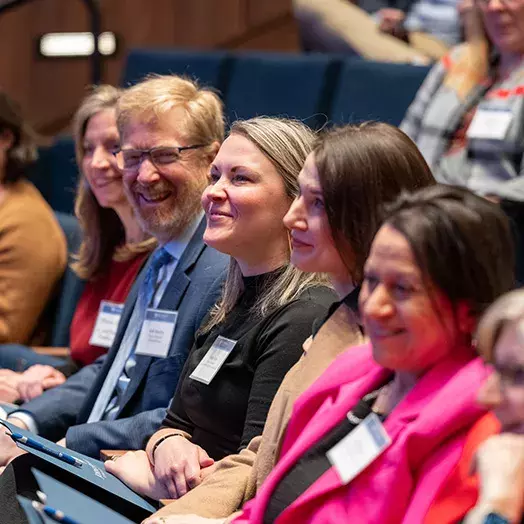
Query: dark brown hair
[461, 242]
[362, 167]
[23, 151]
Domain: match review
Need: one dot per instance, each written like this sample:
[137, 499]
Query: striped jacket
[487, 167]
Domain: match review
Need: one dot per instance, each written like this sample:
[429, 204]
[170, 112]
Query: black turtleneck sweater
[225, 415]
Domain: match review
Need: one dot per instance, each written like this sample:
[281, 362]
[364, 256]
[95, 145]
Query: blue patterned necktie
[107, 402]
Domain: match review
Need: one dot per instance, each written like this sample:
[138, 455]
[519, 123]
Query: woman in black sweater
[254, 334]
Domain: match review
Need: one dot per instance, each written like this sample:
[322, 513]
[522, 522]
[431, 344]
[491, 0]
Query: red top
[113, 285]
[460, 491]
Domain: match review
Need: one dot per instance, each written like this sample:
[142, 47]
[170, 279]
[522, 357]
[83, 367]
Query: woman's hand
[500, 465]
[135, 470]
[177, 465]
[182, 519]
[38, 378]
[471, 21]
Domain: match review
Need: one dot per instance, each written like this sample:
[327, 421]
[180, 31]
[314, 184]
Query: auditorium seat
[69, 288]
[56, 174]
[209, 67]
[375, 91]
[292, 85]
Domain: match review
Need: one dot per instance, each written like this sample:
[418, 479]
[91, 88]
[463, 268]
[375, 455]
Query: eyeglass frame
[149, 153]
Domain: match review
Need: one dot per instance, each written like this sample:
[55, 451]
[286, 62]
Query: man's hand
[38, 378]
[135, 470]
[391, 22]
[178, 463]
[9, 385]
[8, 449]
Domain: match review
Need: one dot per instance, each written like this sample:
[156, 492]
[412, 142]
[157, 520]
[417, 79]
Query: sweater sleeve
[412, 122]
[32, 258]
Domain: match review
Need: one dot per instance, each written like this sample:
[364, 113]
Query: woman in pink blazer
[440, 258]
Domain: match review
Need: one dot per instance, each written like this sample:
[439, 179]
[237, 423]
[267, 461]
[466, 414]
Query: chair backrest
[290, 85]
[375, 91]
[208, 67]
[70, 287]
[56, 174]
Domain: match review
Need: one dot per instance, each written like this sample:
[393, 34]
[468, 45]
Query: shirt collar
[177, 246]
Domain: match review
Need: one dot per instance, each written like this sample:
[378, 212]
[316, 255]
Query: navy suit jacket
[64, 410]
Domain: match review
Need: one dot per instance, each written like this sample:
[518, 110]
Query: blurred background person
[417, 31]
[467, 117]
[33, 249]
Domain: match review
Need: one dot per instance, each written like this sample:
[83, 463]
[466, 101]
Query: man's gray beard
[169, 227]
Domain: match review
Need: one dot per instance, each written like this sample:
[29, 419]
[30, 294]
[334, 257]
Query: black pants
[16, 479]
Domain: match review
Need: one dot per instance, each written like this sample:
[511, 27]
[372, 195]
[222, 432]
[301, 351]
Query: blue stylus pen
[54, 514]
[31, 443]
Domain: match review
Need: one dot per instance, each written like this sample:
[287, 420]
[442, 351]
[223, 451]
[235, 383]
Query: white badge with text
[213, 360]
[106, 324]
[156, 333]
[490, 124]
[357, 450]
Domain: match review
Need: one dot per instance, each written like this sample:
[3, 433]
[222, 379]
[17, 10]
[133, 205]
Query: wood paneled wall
[50, 89]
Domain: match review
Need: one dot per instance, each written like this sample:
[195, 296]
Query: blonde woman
[113, 249]
[258, 326]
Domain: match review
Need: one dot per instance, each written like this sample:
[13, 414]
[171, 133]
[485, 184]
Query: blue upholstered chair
[208, 67]
[375, 91]
[56, 174]
[292, 85]
[70, 288]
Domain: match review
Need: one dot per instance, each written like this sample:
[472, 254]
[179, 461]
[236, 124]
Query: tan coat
[33, 256]
[235, 478]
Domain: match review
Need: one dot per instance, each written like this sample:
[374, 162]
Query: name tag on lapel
[156, 333]
[357, 450]
[106, 324]
[490, 124]
[213, 360]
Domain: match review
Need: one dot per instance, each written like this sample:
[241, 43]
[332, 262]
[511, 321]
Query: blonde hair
[286, 143]
[157, 95]
[506, 310]
[103, 234]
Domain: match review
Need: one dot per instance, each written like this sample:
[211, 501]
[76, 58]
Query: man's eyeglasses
[159, 156]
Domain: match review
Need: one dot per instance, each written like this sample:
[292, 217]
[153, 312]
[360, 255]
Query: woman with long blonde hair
[112, 251]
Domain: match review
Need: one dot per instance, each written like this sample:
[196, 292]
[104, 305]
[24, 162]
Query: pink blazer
[428, 429]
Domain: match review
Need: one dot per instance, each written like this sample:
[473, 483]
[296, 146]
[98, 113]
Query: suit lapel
[170, 300]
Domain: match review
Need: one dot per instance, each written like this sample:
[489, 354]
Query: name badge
[106, 324]
[213, 360]
[490, 124]
[357, 450]
[156, 333]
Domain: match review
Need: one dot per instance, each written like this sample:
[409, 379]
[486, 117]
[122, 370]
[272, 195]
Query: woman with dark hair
[112, 251]
[376, 435]
[371, 164]
[33, 249]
